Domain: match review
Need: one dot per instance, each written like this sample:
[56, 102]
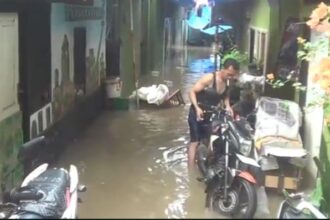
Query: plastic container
[113, 87]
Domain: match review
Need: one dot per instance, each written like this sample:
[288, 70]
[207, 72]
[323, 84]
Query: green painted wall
[260, 13]
[126, 52]
[256, 14]
[11, 138]
[148, 40]
[156, 33]
[271, 15]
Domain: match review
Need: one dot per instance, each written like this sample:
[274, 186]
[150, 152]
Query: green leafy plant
[234, 53]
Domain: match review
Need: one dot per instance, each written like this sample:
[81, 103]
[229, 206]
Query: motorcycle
[295, 206]
[45, 192]
[226, 161]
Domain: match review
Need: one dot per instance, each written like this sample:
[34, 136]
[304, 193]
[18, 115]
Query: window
[258, 47]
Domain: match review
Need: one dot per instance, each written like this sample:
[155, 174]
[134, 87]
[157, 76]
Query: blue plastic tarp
[199, 22]
[204, 19]
[221, 28]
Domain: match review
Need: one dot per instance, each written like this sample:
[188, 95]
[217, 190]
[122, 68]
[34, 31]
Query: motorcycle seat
[53, 184]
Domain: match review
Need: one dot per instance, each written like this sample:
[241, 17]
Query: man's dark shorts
[197, 130]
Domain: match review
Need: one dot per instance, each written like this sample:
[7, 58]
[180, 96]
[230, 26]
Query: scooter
[227, 164]
[295, 206]
[45, 192]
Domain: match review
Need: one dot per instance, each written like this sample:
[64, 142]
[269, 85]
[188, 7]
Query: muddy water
[134, 162]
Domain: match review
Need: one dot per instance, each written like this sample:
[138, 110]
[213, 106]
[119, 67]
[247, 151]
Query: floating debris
[179, 139]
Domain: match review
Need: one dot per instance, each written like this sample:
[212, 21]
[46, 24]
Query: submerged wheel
[241, 202]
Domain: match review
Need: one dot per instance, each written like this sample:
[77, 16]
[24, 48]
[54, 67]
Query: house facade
[53, 63]
[270, 30]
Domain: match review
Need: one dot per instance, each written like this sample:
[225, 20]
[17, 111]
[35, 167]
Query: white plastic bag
[152, 94]
[159, 95]
[144, 92]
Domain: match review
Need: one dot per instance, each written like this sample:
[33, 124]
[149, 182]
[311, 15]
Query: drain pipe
[136, 80]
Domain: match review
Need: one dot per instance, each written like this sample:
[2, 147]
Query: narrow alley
[71, 72]
[134, 162]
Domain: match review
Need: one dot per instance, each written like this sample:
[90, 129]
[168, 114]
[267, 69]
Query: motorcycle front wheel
[240, 204]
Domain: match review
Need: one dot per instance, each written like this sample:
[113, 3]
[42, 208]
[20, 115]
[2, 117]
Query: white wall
[9, 64]
[313, 116]
[61, 27]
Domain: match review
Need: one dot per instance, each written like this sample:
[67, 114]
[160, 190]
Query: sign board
[78, 13]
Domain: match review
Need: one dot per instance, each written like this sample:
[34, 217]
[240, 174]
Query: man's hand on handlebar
[199, 114]
[230, 111]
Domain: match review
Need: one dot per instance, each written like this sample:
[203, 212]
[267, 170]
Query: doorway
[80, 59]
[35, 68]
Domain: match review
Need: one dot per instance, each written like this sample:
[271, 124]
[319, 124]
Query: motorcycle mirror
[82, 188]
[285, 193]
[3, 215]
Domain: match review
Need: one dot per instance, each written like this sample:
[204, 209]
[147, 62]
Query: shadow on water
[135, 162]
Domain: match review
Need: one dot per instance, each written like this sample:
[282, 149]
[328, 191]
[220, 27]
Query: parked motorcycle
[295, 206]
[45, 192]
[226, 161]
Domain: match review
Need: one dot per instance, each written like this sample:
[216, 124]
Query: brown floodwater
[134, 162]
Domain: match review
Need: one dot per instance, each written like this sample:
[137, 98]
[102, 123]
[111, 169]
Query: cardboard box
[283, 179]
[288, 182]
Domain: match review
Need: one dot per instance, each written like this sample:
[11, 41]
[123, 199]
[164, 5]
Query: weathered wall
[148, 19]
[64, 90]
[11, 138]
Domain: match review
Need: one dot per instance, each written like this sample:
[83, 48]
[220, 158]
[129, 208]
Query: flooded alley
[134, 162]
[70, 72]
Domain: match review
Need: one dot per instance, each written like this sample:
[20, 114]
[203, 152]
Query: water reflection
[201, 66]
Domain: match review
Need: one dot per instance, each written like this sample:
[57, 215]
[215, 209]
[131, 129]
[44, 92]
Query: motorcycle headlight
[245, 147]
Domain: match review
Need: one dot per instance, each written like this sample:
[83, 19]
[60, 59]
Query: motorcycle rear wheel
[201, 155]
[236, 199]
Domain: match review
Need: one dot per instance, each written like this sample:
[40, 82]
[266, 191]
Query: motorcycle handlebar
[212, 108]
[293, 196]
[19, 196]
[30, 147]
